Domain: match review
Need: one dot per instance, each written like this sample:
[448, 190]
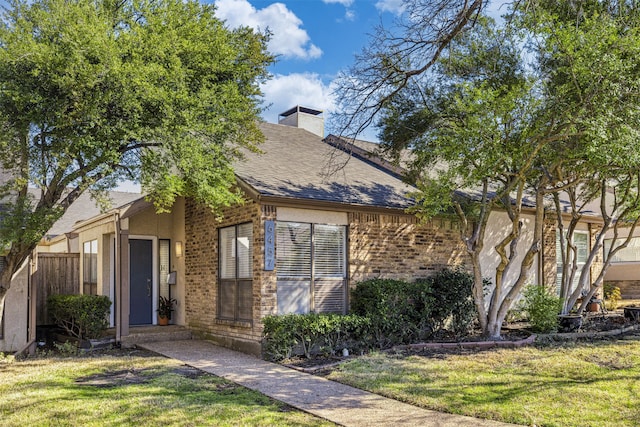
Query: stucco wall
[143, 224]
[498, 227]
[16, 312]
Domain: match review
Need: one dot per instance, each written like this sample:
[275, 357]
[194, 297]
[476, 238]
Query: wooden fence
[55, 274]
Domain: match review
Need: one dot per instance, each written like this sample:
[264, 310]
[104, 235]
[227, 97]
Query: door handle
[148, 287]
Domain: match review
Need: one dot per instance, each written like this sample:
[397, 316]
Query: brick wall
[629, 289]
[598, 262]
[549, 262]
[399, 247]
[201, 276]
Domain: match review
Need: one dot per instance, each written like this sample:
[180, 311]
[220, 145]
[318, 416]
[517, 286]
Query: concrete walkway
[333, 401]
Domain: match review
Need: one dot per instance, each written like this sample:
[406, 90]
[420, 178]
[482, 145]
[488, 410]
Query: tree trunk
[5, 283]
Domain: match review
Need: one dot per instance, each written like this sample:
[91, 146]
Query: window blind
[164, 246]
[228, 253]
[293, 250]
[311, 267]
[244, 246]
[329, 251]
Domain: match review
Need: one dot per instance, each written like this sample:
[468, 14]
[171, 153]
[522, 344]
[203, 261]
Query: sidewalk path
[330, 400]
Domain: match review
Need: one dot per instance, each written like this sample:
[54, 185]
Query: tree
[93, 91]
[513, 116]
[480, 117]
[590, 75]
[396, 56]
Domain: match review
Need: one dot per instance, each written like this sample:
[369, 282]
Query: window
[311, 268]
[164, 246]
[90, 267]
[235, 291]
[581, 242]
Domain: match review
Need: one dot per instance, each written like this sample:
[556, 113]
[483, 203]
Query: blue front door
[140, 282]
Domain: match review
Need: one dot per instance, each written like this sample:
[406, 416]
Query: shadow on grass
[127, 394]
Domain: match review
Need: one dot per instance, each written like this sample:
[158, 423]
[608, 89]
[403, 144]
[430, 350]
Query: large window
[311, 268]
[90, 267]
[581, 242]
[235, 292]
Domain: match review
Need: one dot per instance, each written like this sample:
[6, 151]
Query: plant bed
[569, 322]
[87, 344]
[632, 313]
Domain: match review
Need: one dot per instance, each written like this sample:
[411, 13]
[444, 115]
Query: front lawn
[594, 384]
[131, 388]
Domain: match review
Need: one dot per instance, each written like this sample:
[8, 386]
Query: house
[26, 294]
[319, 216]
[307, 234]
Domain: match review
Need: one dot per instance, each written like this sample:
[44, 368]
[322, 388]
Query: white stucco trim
[312, 216]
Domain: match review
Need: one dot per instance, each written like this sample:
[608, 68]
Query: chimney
[305, 118]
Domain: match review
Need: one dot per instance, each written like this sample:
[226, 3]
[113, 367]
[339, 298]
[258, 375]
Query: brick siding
[399, 247]
[549, 262]
[629, 289]
[201, 275]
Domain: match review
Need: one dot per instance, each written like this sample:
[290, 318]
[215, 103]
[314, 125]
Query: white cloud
[285, 91]
[345, 3]
[350, 15]
[288, 38]
[394, 6]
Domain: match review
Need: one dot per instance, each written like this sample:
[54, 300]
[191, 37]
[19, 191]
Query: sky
[313, 41]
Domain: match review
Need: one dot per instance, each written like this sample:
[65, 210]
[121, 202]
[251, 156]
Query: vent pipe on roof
[305, 118]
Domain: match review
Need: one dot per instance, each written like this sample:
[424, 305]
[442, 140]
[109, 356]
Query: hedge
[82, 316]
[306, 334]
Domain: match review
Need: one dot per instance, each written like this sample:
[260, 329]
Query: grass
[134, 388]
[595, 384]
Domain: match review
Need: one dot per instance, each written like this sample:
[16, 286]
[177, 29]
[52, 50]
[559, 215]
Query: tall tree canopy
[94, 91]
[542, 107]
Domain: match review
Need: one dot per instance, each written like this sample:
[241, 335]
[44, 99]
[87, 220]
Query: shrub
[543, 307]
[455, 309]
[82, 316]
[311, 333]
[399, 312]
[612, 295]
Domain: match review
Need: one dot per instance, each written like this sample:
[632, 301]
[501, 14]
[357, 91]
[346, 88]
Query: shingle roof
[84, 208]
[297, 164]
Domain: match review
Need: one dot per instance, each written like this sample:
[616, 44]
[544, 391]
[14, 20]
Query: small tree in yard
[544, 108]
[94, 91]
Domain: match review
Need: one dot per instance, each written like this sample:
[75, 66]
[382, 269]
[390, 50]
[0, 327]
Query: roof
[85, 208]
[296, 164]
